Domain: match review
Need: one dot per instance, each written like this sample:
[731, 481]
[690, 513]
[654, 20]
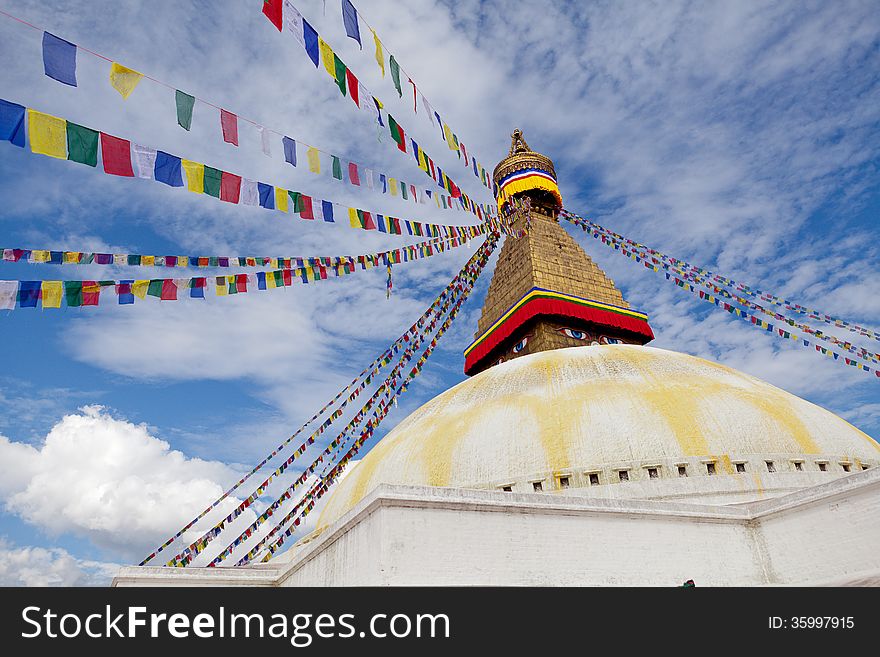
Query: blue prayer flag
[261, 280]
[29, 293]
[56, 257]
[327, 207]
[384, 180]
[59, 59]
[167, 169]
[12, 123]
[126, 297]
[197, 288]
[289, 150]
[267, 196]
[311, 38]
[350, 20]
[380, 223]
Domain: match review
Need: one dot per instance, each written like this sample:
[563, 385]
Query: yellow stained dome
[557, 416]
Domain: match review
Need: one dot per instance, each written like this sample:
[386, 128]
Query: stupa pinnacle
[546, 293]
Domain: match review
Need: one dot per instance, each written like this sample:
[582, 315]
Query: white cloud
[108, 480]
[38, 566]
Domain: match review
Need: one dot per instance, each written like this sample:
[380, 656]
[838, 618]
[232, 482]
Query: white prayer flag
[8, 292]
[264, 141]
[250, 194]
[145, 161]
[368, 176]
[293, 22]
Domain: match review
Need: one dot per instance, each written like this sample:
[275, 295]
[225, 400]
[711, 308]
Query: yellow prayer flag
[71, 257]
[124, 79]
[52, 291]
[281, 199]
[183, 261]
[392, 184]
[148, 260]
[380, 58]
[270, 280]
[40, 256]
[139, 289]
[314, 160]
[195, 176]
[353, 218]
[48, 134]
[327, 56]
[450, 139]
[222, 286]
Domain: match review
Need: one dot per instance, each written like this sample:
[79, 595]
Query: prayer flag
[397, 133]
[12, 123]
[8, 294]
[52, 292]
[139, 288]
[59, 59]
[306, 210]
[289, 150]
[293, 22]
[168, 169]
[195, 176]
[353, 176]
[28, 293]
[48, 134]
[339, 75]
[281, 199]
[213, 178]
[124, 79]
[116, 154]
[327, 57]
[337, 168]
[197, 287]
[230, 187]
[367, 218]
[353, 85]
[267, 196]
[395, 74]
[169, 290]
[380, 57]
[144, 160]
[82, 144]
[327, 211]
[229, 125]
[350, 20]
[354, 219]
[185, 104]
[155, 288]
[73, 293]
[311, 42]
[272, 9]
[249, 192]
[314, 159]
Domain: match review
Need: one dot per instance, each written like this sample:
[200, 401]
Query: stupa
[576, 454]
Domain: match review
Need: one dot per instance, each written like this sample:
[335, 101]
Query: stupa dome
[572, 420]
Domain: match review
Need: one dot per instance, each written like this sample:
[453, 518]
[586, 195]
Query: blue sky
[741, 136]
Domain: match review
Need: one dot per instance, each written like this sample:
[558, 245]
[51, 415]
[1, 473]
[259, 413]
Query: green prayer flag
[155, 288]
[395, 130]
[279, 278]
[73, 293]
[296, 201]
[403, 190]
[340, 73]
[82, 144]
[134, 260]
[337, 168]
[212, 181]
[395, 75]
[185, 104]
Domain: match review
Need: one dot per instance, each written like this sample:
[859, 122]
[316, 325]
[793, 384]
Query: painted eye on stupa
[607, 340]
[574, 333]
[519, 346]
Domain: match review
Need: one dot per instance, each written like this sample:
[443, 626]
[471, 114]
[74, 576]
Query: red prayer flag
[352, 86]
[229, 124]
[230, 187]
[369, 224]
[91, 292]
[169, 290]
[241, 282]
[116, 154]
[272, 9]
[306, 212]
[287, 277]
[353, 174]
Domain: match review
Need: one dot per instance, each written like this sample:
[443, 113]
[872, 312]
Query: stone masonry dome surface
[556, 416]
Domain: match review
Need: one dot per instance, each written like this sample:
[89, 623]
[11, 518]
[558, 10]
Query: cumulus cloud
[108, 480]
[37, 566]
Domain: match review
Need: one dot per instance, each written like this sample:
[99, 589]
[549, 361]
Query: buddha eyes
[519, 346]
[573, 333]
[612, 340]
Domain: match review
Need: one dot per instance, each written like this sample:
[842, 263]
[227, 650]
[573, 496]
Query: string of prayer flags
[357, 385]
[656, 264]
[56, 137]
[59, 59]
[124, 79]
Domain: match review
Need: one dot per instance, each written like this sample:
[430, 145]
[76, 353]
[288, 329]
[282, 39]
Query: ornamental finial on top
[518, 143]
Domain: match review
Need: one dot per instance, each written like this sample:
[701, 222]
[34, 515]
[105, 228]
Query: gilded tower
[546, 293]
